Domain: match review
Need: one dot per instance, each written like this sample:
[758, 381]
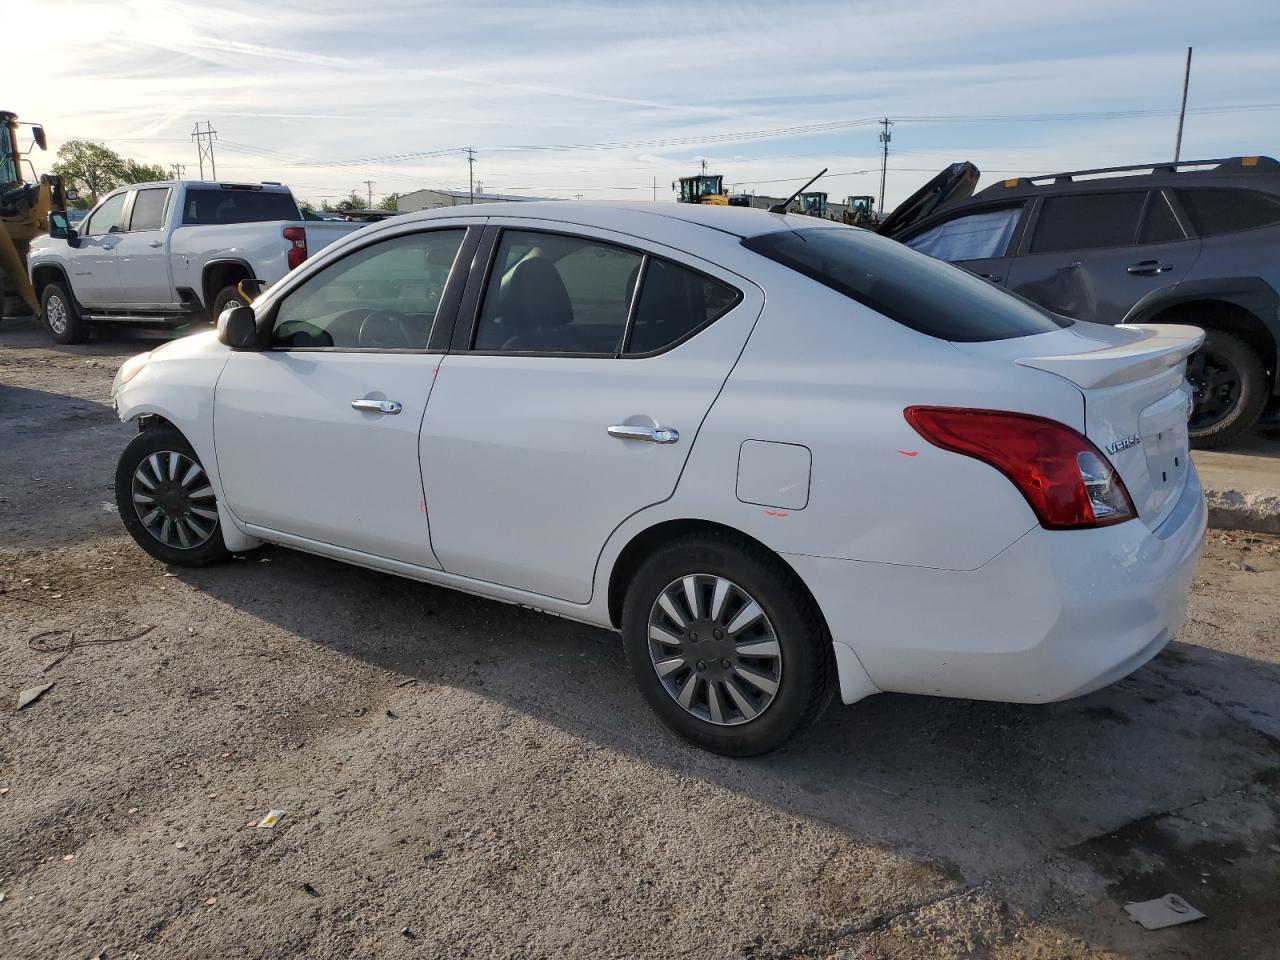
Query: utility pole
[655, 189]
[471, 172]
[1182, 111]
[885, 137]
[204, 146]
[176, 170]
[369, 184]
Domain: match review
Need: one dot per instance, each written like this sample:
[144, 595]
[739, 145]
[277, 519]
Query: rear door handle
[390, 407]
[156, 243]
[630, 431]
[991, 276]
[1149, 268]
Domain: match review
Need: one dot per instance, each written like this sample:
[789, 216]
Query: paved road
[463, 778]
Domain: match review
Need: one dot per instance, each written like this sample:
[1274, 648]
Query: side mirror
[73, 194]
[251, 289]
[238, 327]
[59, 225]
[38, 133]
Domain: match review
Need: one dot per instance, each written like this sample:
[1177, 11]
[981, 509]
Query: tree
[89, 167]
[137, 172]
[390, 202]
[353, 202]
[306, 205]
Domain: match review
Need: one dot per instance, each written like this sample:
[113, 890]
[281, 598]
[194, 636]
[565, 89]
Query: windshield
[8, 169]
[917, 291]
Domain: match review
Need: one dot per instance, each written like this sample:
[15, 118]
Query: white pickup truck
[169, 253]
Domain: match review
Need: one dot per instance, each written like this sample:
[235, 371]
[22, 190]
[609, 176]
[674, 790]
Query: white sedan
[783, 457]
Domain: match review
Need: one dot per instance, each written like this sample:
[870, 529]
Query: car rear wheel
[60, 316]
[726, 645]
[1229, 386]
[166, 500]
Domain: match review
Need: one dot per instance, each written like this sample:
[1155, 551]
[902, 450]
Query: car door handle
[107, 246]
[391, 407]
[631, 431]
[156, 243]
[1148, 268]
[994, 278]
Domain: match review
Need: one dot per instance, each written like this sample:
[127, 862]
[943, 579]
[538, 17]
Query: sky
[613, 101]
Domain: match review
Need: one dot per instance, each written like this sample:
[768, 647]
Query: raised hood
[1136, 402]
[952, 185]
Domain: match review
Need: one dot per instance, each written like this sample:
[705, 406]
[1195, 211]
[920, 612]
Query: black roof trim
[1221, 167]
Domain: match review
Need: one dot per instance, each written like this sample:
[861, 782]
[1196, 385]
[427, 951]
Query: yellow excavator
[24, 210]
[705, 188]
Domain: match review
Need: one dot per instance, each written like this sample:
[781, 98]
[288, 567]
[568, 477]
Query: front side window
[915, 290]
[978, 236]
[148, 209]
[106, 219]
[208, 206]
[550, 293]
[1087, 222]
[8, 169]
[1214, 211]
[383, 297]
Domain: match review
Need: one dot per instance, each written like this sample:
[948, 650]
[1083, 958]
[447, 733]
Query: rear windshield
[238, 206]
[917, 291]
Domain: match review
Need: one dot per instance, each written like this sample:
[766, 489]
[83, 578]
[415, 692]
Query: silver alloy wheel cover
[55, 313]
[714, 649]
[174, 501]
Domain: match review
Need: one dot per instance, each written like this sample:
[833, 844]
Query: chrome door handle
[994, 278]
[1149, 268]
[629, 431]
[377, 406]
[107, 246]
[156, 243]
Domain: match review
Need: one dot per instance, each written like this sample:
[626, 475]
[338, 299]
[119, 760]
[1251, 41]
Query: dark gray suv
[1194, 243]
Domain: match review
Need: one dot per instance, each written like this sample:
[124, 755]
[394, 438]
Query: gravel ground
[468, 779]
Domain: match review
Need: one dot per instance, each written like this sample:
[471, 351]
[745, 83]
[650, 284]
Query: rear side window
[1224, 211]
[237, 206]
[1159, 225]
[917, 291]
[978, 236]
[148, 209]
[1087, 222]
[674, 302]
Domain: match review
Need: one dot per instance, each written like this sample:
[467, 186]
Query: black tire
[163, 441]
[807, 676]
[61, 317]
[228, 294]
[1230, 385]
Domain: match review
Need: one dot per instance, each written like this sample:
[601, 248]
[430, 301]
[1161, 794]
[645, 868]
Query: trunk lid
[1136, 402]
[952, 185]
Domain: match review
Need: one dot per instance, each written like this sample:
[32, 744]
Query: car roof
[1256, 171]
[263, 187]
[629, 216]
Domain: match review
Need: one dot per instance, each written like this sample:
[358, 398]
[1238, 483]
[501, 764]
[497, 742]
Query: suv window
[674, 303]
[916, 290]
[551, 293]
[1223, 211]
[976, 236]
[203, 206]
[1159, 225]
[106, 219]
[148, 209]
[1087, 221]
[383, 296]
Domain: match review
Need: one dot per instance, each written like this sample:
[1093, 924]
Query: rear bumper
[1055, 615]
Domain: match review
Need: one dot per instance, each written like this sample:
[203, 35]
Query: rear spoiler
[1157, 347]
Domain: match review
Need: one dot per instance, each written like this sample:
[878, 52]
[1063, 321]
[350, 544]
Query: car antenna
[782, 207]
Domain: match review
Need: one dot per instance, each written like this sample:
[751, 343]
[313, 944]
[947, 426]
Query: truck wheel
[1230, 390]
[227, 295]
[60, 316]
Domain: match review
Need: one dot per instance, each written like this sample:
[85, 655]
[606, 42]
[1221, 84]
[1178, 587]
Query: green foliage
[389, 202]
[353, 202]
[95, 169]
[137, 172]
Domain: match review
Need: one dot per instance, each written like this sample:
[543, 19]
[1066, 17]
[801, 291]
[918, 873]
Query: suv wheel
[60, 316]
[726, 646]
[166, 501]
[1229, 385]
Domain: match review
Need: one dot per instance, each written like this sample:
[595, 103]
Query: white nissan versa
[780, 455]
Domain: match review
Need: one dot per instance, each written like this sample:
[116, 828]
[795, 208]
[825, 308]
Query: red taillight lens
[1066, 480]
[297, 237]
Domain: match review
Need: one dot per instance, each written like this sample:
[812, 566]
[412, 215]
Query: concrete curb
[1254, 510]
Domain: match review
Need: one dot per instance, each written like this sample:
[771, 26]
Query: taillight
[1066, 480]
[297, 237]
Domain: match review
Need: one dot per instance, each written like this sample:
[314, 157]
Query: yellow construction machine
[24, 210]
[704, 188]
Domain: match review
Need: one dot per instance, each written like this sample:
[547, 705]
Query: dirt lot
[467, 779]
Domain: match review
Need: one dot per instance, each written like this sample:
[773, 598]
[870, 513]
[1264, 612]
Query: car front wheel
[726, 645]
[61, 317]
[166, 500]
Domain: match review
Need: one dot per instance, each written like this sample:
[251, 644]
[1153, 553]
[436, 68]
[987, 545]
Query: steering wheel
[387, 330]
